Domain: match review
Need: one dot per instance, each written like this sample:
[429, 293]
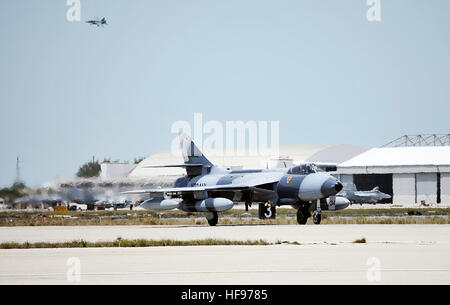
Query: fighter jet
[373, 196]
[98, 22]
[210, 189]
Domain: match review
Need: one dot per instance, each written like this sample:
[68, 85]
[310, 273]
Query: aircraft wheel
[301, 217]
[317, 218]
[213, 218]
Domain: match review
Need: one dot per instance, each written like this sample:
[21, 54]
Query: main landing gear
[302, 216]
[212, 218]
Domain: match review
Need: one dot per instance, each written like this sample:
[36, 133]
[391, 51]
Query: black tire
[214, 220]
[302, 217]
[317, 218]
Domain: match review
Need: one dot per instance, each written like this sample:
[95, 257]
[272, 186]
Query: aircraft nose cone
[331, 187]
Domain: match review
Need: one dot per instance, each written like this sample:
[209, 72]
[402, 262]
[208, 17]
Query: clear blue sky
[69, 91]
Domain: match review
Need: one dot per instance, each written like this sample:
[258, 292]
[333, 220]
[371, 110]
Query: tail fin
[194, 161]
[191, 153]
[376, 189]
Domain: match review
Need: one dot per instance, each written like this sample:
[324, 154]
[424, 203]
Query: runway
[282, 264]
[309, 234]
[393, 254]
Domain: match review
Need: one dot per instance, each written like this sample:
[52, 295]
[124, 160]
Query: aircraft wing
[252, 185]
[189, 189]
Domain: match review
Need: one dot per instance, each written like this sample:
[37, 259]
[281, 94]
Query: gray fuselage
[286, 187]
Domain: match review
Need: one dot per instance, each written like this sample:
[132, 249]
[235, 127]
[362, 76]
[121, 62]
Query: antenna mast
[17, 169]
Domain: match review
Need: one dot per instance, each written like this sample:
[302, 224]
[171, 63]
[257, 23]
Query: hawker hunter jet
[210, 189]
[98, 22]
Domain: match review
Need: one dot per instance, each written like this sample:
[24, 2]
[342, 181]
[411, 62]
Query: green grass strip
[134, 243]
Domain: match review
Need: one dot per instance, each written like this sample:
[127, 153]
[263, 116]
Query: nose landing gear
[317, 217]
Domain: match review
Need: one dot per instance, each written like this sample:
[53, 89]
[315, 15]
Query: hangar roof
[401, 156]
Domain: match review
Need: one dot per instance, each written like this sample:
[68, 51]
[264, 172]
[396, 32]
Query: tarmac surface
[421, 233]
[393, 254]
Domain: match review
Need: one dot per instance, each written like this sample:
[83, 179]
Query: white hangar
[416, 170]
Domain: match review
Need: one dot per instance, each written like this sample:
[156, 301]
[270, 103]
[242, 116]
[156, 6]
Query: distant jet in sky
[98, 22]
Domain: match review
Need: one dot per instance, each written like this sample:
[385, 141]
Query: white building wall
[404, 189]
[346, 179]
[445, 188]
[426, 187]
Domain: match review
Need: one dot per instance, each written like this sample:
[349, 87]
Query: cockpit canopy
[304, 169]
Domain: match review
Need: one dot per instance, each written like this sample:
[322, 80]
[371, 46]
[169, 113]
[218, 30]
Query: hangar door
[366, 182]
[427, 189]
